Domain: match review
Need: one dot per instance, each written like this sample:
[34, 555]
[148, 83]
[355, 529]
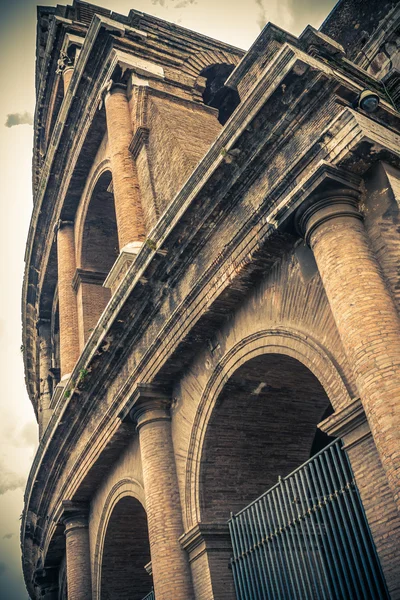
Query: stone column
[364, 312]
[69, 336]
[79, 579]
[171, 574]
[44, 331]
[128, 207]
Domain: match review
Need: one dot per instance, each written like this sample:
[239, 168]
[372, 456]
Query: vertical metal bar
[249, 567]
[240, 560]
[349, 549]
[365, 544]
[276, 540]
[383, 590]
[274, 575]
[301, 559]
[305, 534]
[356, 551]
[312, 534]
[258, 554]
[286, 541]
[336, 558]
[237, 568]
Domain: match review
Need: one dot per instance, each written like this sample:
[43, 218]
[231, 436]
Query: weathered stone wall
[180, 135]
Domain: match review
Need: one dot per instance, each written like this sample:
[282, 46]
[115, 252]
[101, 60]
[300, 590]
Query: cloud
[8, 536]
[3, 568]
[262, 18]
[24, 118]
[29, 434]
[174, 3]
[9, 480]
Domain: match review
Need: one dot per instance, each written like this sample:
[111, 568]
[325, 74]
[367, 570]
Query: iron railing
[150, 596]
[307, 537]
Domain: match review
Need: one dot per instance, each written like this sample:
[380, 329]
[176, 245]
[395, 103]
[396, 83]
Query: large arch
[122, 546]
[263, 426]
[280, 341]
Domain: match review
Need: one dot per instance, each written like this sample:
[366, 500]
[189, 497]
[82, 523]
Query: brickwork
[69, 336]
[244, 336]
[170, 567]
[126, 552]
[180, 135]
[128, 206]
[78, 556]
[366, 318]
[262, 427]
[382, 514]
[92, 299]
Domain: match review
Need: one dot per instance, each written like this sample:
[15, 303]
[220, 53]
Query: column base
[126, 257]
[210, 550]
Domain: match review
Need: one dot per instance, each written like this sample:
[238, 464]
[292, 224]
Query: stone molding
[206, 537]
[139, 138]
[181, 204]
[73, 515]
[126, 257]
[350, 423]
[149, 403]
[88, 276]
[320, 208]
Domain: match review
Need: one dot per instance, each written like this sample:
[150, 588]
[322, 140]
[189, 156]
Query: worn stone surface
[252, 336]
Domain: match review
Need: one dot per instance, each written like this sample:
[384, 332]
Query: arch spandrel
[284, 341]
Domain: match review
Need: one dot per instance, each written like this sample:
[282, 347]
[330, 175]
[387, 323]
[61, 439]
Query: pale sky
[237, 22]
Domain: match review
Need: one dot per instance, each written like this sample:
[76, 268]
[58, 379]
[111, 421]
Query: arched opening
[126, 553]
[99, 251]
[264, 425]
[100, 236]
[215, 93]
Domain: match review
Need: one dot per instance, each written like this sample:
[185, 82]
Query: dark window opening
[216, 94]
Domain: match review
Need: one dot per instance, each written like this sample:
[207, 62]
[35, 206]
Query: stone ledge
[350, 423]
[126, 257]
[206, 537]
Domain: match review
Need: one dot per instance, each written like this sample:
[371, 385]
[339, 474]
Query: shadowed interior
[263, 426]
[126, 552]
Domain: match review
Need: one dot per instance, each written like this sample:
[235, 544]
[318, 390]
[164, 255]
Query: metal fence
[307, 537]
[150, 596]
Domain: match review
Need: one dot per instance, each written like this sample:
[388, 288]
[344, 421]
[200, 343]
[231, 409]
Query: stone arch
[198, 61]
[97, 249]
[128, 495]
[279, 341]
[97, 214]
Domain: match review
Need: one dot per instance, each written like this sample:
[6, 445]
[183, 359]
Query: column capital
[74, 515]
[325, 205]
[112, 88]
[148, 403]
[61, 224]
